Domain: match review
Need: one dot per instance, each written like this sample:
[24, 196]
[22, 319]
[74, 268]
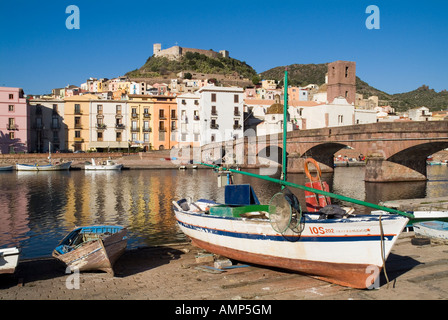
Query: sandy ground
[174, 272]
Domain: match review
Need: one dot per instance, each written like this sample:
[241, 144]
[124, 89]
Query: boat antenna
[285, 119]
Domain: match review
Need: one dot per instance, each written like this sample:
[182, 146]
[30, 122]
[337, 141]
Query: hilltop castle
[176, 52]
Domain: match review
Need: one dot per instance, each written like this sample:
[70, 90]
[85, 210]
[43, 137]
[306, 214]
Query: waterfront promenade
[174, 272]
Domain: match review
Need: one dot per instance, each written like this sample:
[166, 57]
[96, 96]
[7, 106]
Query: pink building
[14, 121]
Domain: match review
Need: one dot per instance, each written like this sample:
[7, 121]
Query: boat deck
[181, 272]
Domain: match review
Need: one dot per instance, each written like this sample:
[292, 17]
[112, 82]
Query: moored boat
[103, 165]
[45, 167]
[6, 168]
[92, 247]
[9, 258]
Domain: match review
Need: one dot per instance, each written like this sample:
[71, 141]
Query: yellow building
[76, 117]
[140, 114]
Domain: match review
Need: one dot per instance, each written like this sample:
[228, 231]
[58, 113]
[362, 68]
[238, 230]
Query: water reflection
[38, 209]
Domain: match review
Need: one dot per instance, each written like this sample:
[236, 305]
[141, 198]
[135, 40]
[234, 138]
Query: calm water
[38, 209]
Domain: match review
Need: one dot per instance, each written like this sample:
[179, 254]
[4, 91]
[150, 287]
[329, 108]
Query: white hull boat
[346, 251]
[103, 165]
[436, 230]
[44, 167]
[9, 258]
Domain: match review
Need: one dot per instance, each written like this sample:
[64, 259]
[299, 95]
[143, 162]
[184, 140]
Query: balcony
[162, 129]
[147, 115]
[147, 129]
[101, 126]
[196, 118]
[135, 129]
[236, 113]
[79, 139]
[134, 115]
[214, 126]
[12, 126]
[119, 126]
[214, 113]
[236, 126]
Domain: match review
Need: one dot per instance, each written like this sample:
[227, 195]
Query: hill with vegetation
[304, 74]
[193, 63]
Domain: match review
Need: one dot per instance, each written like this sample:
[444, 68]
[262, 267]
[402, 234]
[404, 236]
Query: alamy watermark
[373, 20]
[72, 281]
[73, 20]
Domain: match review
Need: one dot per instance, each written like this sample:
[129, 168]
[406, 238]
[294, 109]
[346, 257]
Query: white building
[273, 121]
[221, 113]
[420, 114]
[188, 120]
[108, 121]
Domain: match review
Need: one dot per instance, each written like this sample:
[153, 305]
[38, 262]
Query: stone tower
[341, 81]
[157, 47]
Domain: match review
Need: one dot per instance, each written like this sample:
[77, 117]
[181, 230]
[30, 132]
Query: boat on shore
[92, 247]
[103, 165]
[434, 230]
[9, 258]
[6, 168]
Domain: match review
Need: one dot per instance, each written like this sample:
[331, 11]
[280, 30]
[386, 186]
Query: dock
[184, 272]
[424, 204]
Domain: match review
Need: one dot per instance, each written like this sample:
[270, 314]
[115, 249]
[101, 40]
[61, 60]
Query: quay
[183, 272]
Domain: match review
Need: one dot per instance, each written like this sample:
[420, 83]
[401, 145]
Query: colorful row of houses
[87, 122]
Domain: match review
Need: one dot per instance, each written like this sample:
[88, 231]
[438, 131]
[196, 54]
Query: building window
[77, 108]
[118, 109]
[11, 135]
[213, 97]
[134, 136]
[11, 96]
[346, 72]
[146, 137]
[214, 112]
[99, 136]
[236, 98]
[118, 136]
[77, 134]
[11, 108]
[99, 108]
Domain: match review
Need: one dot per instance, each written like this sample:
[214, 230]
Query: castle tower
[157, 47]
[341, 81]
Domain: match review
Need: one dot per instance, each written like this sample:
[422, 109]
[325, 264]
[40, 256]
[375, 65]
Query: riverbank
[184, 272]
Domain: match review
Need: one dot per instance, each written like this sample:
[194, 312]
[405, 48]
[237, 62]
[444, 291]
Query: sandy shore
[174, 272]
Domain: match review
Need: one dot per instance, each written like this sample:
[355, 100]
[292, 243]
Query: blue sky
[38, 52]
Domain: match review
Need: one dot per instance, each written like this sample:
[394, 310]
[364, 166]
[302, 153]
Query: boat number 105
[320, 230]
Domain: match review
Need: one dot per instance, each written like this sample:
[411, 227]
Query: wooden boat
[103, 165]
[436, 230]
[45, 167]
[92, 247]
[9, 258]
[6, 168]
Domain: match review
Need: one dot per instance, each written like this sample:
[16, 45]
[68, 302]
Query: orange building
[164, 122]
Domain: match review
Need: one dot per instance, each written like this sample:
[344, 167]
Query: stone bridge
[395, 151]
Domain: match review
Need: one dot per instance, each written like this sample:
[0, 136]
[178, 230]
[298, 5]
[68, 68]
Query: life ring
[307, 171]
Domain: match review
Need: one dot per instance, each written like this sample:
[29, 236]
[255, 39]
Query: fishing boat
[331, 243]
[6, 168]
[92, 248]
[44, 167]
[103, 165]
[57, 166]
[9, 258]
[435, 230]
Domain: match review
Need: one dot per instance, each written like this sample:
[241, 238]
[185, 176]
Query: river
[38, 209]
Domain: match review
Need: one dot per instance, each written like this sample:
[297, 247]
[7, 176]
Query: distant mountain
[304, 74]
[193, 62]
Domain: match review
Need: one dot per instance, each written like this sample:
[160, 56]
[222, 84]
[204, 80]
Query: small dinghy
[92, 247]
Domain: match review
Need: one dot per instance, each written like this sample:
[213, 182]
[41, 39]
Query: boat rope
[325, 193]
[382, 252]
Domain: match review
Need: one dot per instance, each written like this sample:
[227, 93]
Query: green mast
[285, 119]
